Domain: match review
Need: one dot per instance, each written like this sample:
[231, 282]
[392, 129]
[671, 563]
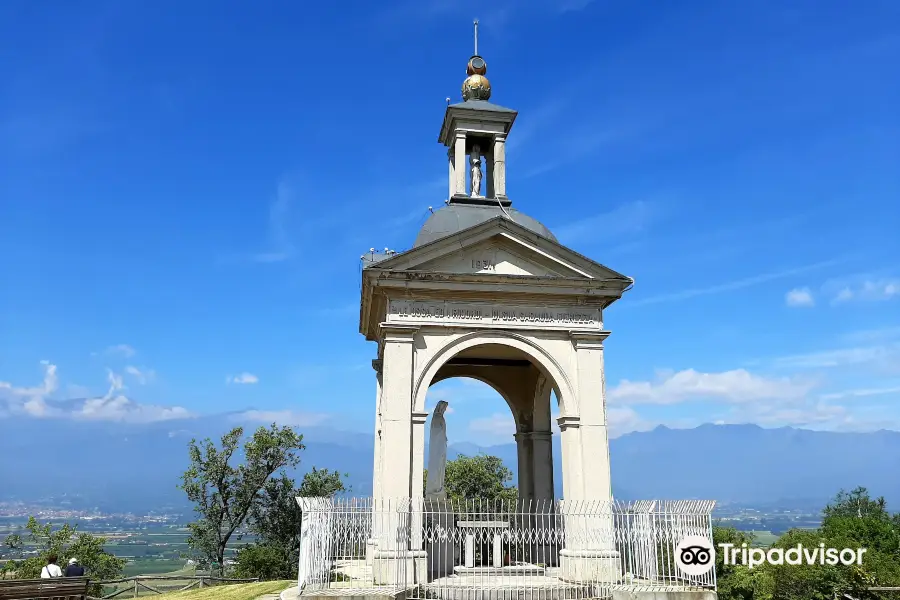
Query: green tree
[224, 495]
[481, 477]
[738, 582]
[264, 561]
[322, 484]
[276, 521]
[855, 520]
[852, 520]
[66, 542]
[805, 581]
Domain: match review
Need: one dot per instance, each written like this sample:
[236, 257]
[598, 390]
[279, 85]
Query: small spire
[476, 86]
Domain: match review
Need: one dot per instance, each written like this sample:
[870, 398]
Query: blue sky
[186, 189]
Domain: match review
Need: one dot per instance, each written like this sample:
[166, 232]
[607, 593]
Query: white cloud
[813, 415]
[122, 409]
[889, 332]
[624, 419]
[112, 406]
[869, 291]
[733, 386]
[282, 417]
[243, 378]
[799, 297]
[496, 425]
[733, 285]
[861, 393]
[48, 385]
[281, 246]
[143, 375]
[121, 350]
[883, 355]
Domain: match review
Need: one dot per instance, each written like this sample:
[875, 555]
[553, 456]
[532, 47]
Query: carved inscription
[483, 264]
[486, 314]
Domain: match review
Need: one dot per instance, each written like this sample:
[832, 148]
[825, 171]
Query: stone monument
[437, 455]
[475, 160]
[488, 292]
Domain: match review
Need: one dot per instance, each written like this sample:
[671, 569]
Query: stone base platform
[507, 571]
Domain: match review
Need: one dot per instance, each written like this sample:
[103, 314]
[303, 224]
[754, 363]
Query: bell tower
[474, 132]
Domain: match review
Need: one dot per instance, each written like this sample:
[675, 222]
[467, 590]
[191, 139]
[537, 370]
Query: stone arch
[544, 361]
[483, 380]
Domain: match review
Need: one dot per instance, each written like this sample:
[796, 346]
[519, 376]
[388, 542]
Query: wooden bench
[67, 588]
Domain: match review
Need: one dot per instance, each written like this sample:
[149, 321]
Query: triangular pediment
[498, 247]
[499, 255]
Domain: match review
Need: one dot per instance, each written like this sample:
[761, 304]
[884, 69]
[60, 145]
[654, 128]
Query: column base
[440, 523]
[590, 566]
[400, 567]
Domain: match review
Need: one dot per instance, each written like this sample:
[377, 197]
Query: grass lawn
[236, 591]
[155, 567]
[763, 538]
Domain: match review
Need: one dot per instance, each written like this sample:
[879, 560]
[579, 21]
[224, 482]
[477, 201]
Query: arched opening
[524, 384]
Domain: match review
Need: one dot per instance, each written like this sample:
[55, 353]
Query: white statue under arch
[437, 454]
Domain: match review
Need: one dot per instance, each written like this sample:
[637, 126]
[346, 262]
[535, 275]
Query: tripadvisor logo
[695, 555]
[795, 555]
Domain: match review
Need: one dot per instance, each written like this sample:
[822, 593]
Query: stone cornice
[398, 333]
[566, 422]
[517, 284]
[588, 340]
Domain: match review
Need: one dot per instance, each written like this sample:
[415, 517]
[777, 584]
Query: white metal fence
[474, 550]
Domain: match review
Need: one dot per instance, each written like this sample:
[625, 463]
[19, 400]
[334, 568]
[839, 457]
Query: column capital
[419, 418]
[568, 422]
[533, 435]
[588, 339]
[459, 133]
[500, 137]
[393, 332]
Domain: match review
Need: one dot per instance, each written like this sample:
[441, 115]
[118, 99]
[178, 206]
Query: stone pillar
[542, 457]
[376, 470]
[570, 444]
[499, 156]
[489, 173]
[376, 473]
[592, 406]
[590, 553]
[418, 477]
[526, 467]
[394, 562]
[450, 161]
[459, 152]
[541, 442]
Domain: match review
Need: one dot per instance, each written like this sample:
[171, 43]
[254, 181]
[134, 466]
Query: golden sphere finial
[476, 86]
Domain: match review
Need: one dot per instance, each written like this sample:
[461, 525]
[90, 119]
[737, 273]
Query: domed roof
[455, 217]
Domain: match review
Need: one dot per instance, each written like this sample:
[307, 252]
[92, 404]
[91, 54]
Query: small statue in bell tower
[475, 162]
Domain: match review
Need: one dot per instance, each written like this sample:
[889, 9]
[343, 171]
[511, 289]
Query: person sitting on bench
[51, 569]
[73, 569]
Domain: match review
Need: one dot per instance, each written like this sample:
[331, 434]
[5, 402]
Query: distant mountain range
[130, 467]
